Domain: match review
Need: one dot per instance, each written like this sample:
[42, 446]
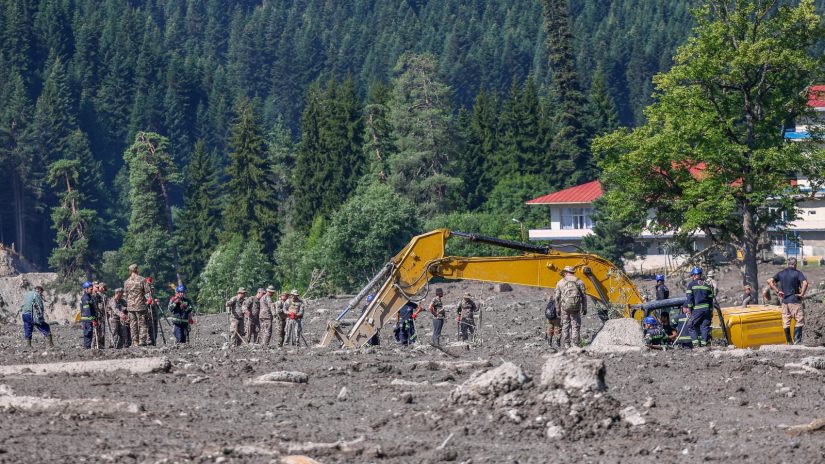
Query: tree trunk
[750, 244]
[170, 228]
[19, 217]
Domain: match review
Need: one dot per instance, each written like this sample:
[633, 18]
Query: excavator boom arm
[407, 277]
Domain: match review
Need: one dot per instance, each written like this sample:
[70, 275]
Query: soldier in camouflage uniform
[236, 326]
[437, 310]
[295, 312]
[466, 314]
[119, 319]
[252, 314]
[571, 302]
[137, 291]
[267, 312]
[281, 310]
[101, 302]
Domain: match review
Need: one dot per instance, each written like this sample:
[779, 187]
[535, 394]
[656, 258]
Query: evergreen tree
[478, 159]
[149, 236]
[378, 143]
[281, 163]
[421, 119]
[199, 221]
[72, 257]
[250, 209]
[568, 146]
[310, 163]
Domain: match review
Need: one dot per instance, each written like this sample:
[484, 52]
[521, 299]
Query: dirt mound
[12, 264]
[569, 402]
[59, 306]
[619, 335]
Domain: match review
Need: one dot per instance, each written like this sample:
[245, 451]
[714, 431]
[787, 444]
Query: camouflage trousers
[265, 334]
[251, 327]
[571, 321]
[120, 332]
[281, 329]
[236, 331]
[139, 327]
[554, 331]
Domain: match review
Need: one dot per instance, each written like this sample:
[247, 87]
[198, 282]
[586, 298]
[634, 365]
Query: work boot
[797, 335]
[28, 343]
[51, 341]
[788, 336]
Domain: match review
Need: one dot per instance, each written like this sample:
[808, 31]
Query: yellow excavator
[407, 277]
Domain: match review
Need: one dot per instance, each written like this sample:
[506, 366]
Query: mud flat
[411, 405]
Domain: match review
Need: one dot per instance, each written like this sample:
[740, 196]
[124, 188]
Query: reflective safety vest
[682, 331]
[699, 295]
[88, 310]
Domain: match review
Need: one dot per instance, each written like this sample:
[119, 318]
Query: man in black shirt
[662, 292]
[791, 286]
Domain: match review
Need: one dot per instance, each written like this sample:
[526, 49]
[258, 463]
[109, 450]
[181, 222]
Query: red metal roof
[584, 193]
[816, 96]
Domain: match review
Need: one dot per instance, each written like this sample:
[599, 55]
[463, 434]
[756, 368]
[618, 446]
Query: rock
[558, 397]
[817, 362]
[133, 366]
[502, 288]
[649, 403]
[619, 335]
[632, 416]
[342, 395]
[406, 398]
[554, 432]
[279, 377]
[791, 348]
[408, 383]
[492, 383]
[573, 372]
[735, 353]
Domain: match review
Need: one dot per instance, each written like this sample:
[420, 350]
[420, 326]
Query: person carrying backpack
[571, 305]
[553, 323]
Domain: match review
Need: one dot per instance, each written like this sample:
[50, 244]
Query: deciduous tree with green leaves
[712, 157]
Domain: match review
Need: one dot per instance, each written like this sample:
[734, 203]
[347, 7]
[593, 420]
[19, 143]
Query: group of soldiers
[131, 317]
[564, 310]
[251, 318]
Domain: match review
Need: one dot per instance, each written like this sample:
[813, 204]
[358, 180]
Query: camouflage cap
[467, 295]
[241, 290]
[294, 292]
[270, 289]
[119, 290]
[103, 285]
[133, 268]
[569, 269]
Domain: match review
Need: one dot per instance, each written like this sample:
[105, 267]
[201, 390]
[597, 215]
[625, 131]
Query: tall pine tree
[199, 222]
[250, 210]
[149, 237]
[568, 146]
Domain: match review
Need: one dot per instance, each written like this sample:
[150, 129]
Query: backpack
[571, 296]
[550, 310]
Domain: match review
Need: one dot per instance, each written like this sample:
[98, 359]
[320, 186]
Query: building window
[778, 240]
[576, 218]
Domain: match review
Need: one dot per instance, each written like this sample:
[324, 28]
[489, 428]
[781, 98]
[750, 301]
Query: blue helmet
[696, 271]
[370, 298]
[649, 320]
[660, 278]
[180, 288]
[86, 285]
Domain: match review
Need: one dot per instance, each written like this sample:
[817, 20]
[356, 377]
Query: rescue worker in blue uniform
[405, 327]
[684, 334]
[88, 316]
[654, 335]
[181, 307]
[662, 292]
[700, 301]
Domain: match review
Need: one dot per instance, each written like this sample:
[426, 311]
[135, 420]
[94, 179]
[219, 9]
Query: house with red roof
[570, 219]
[569, 214]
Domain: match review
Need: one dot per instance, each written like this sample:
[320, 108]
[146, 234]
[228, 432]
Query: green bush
[236, 263]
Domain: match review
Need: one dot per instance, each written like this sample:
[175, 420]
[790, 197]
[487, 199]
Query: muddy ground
[397, 407]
